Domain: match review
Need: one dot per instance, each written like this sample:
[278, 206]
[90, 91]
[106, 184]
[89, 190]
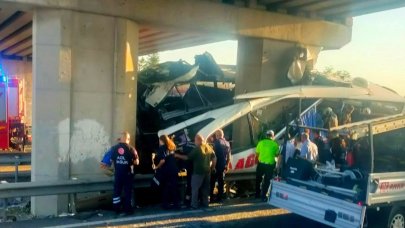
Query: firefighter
[123, 157]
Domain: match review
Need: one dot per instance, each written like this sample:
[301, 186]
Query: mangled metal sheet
[374, 92]
[160, 89]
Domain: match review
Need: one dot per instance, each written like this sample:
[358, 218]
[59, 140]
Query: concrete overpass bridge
[16, 25]
[84, 60]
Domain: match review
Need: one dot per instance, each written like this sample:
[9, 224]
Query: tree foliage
[148, 61]
[331, 72]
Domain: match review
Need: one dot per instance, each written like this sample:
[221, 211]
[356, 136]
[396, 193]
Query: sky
[376, 51]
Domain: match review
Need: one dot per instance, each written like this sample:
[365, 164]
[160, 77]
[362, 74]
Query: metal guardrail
[14, 159]
[8, 176]
[44, 188]
[24, 158]
[10, 158]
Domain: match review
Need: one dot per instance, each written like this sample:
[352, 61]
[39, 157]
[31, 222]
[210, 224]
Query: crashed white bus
[307, 102]
[384, 102]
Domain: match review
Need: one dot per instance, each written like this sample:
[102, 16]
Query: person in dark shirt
[123, 157]
[222, 151]
[204, 160]
[338, 149]
[167, 169]
[323, 150]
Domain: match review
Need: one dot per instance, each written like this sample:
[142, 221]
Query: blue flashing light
[3, 77]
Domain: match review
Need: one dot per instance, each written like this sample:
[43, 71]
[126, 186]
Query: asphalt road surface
[240, 215]
[234, 213]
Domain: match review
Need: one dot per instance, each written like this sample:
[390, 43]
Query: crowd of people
[209, 162]
[306, 144]
[320, 149]
[209, 165]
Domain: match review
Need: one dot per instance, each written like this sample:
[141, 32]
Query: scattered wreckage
[372, 119]
[176, 91]
[245, 117]
[337, 197]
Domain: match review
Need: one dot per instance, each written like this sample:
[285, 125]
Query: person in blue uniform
[167, 170]
[123, 158]
[222, 151]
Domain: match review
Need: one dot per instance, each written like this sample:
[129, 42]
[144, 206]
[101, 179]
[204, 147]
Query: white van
[343, 197]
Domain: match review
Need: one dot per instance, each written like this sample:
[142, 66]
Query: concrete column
[78, 65]
[125, 95]
[262, 64]
[51, 105]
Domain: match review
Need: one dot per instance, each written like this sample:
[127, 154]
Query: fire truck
[12, 127]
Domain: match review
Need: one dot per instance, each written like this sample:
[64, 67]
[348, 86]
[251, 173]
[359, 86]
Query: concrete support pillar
[125, 93]
[261, 64]
[84, 86]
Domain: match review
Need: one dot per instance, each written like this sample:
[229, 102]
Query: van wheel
[397, 218]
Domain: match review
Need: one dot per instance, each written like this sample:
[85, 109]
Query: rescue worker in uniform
[123, 157]
[267, 151]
